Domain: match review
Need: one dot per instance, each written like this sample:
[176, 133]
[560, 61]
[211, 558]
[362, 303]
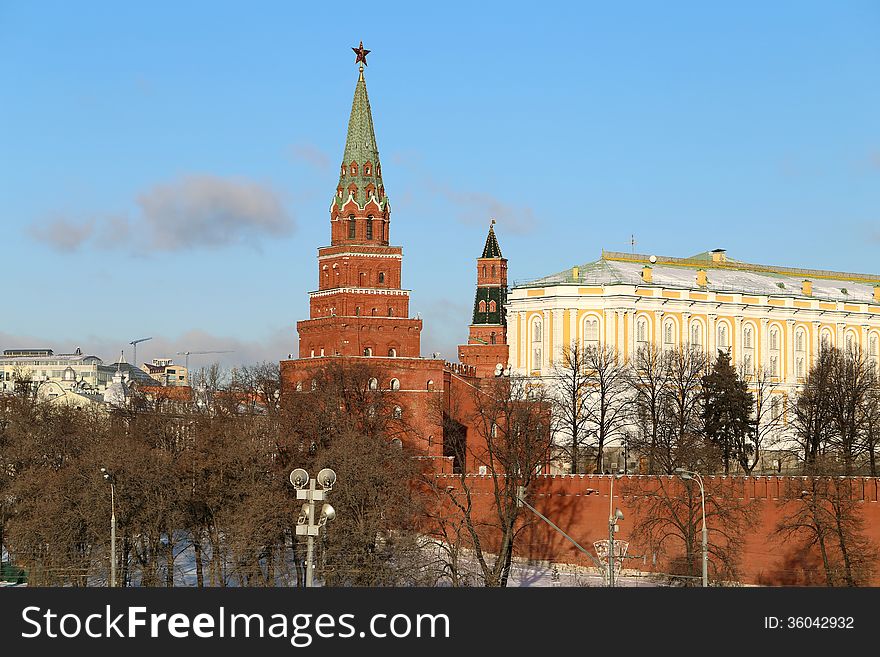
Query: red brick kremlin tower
[359, 308]
[359, 312]
[487, 344]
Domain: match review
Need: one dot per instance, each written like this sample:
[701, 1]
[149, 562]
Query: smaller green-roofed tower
[487, 342]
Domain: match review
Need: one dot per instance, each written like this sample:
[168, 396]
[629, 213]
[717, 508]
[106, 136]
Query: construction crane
[194, 353]
[134, 343]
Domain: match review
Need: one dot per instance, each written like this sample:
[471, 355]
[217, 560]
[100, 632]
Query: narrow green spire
[361, 149]
[491, 250]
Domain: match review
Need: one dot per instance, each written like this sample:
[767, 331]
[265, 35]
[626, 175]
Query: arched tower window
[492, 338]
[395, 384]
[370, 227]
[391, 312]
[352, 226]
[392, 352]
[482, 306]
[492, 306]
[368, 351]
[381, 276]
[374, 384]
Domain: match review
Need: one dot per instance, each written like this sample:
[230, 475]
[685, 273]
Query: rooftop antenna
[632, 243]
[134, 343]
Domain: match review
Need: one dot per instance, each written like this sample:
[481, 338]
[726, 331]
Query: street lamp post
[688, 475]
[613, 517]
[306, 524]
[108, 476]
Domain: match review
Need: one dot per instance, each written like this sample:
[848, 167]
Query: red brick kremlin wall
[766, 559]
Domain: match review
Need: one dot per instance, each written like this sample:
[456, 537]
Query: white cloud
[195, 211]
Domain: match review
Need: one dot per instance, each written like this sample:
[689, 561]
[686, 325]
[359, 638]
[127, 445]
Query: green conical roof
[361, 148]
[491, 250]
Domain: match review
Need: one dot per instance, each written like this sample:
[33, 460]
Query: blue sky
[166, 168]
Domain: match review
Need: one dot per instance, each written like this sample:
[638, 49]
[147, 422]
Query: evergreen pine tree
[727, 410]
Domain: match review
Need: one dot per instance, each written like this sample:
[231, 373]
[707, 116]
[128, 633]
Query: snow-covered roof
[722, 274]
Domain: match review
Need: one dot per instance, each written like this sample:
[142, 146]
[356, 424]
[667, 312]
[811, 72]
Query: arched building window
[696, 334]
[851, 342]
[642, 330]
[723, 337]
[774, 351]
[825, 339]
[800, 353]
[395, 384]
[591, 331]
[748, 342]
[537, 344]
[374, 384]
[668, 334]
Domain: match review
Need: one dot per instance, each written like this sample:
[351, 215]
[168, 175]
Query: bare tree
[767, 417]
[823, 513]
[650, 375]
[851, 384]
[669, 523]
[609, 396]
[571, 384]
[512, 420]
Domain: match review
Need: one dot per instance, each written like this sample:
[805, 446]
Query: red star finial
[361, 54]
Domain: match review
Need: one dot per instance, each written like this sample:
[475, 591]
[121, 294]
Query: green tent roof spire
[491, 250]
[360, 147]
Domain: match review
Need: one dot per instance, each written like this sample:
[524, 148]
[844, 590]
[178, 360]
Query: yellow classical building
[776, 318]
[766, 316]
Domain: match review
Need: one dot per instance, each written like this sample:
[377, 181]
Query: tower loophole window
[381, 276]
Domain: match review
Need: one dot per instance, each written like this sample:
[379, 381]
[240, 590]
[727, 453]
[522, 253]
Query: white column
[762, 339]
[547, 344]
[839, 337]
[685, 328]
[814, 350]
[658, 328]
[524, 342]
[631, 336]
[863, 344]
[618, 341]
[710, 336]
[572, 326]
[512, 336]
[736, 341]
[558, 315]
